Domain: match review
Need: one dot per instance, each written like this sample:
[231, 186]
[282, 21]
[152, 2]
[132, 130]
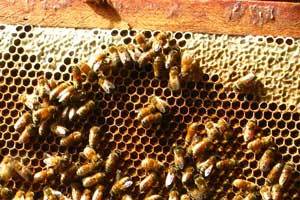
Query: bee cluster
[61, 109]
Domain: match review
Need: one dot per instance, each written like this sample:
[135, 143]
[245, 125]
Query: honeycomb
[29, 52]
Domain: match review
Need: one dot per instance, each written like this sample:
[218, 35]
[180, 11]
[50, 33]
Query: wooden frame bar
[210, 16]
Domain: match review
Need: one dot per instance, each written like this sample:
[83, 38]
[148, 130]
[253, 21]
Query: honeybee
[59, 130]
[86, 195]
[260, 143]
[43, 128]
[6, 168]
[52, 84]
[20, 195]
[265, 192]
[274, 174]
[72, 139]
[94, 136]
[29, 195]
[251, 196]
[173, 58]
[93, 179]
[191, 132]
[267, 159]
[100, 61]
[87, 168]
[245, 83]
[238, 196]
[212, 131]
[173, 195]
[106, 85]
[146, 58]
[111, 162]
[31, 101]
[124, 55]
[188, 63]
[66, 94]
[43, 88]
[151, 119]
[224, 128]
[160, 41]
[98, 193]
[148, 182]
[187, 175]
[244, 185]
[154, 197]
[185, 197]
[115, 57]
[69, 174]
[226, 164]
[75, 191]
[22, 122]
[50, 194]
[5, 193]
[201, 147]
[158, 65]
[86, 108]
[151, 165]
[276, 192]
[135, 53]
[43, 176]
[286, 174]
[196, 193]
[179, 155]
[43, 114]
[143, 112]
[121, 186]
[160, 104]
[200, 182]
[85, 67]
[57, 162]
[207, 167]
[170, 178]
[143, 43]
[90, 154]
[23, 171]
[76, 76]
[91, 74]
[27, 134]
[250, 130]
[174, 80]
[57, 90]
[126, 197]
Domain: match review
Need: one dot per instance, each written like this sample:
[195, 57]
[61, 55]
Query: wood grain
[210, 16]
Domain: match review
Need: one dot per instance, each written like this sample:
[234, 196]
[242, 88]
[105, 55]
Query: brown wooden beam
[211, 16]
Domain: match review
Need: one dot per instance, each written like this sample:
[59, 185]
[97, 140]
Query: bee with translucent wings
[246, 83]
[121, 186]
[153, 112]
[151, 165]
[57, 162]
[190, 69]
[10, 167]
[148, 182]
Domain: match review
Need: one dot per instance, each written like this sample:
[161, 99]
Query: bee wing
[96, 66]
[49, 160]
[72, 113]
[128, 183]
[169, 179]
[107, 86]
[208, 171]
